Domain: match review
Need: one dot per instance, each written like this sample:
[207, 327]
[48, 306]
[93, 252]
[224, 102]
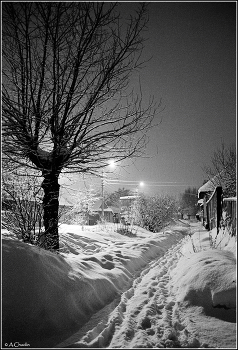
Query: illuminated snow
[109, 290]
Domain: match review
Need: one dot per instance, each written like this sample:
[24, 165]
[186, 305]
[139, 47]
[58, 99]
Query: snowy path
[145, 314]
[168, 289]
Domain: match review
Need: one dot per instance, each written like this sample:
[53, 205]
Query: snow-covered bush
[83, 207]
[22, 211]
[155, 212]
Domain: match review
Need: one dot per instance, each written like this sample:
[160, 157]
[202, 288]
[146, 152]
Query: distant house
[225, 179]
[204, 193]
[210, 206]
[111, 214]
[209, 187]
[96, 213]
[218, 208]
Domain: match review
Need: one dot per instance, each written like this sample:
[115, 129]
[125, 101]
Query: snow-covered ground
[109, 290]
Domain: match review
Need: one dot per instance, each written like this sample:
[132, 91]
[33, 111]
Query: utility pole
[112, 165]
[102, 194]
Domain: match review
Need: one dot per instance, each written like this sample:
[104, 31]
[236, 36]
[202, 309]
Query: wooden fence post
[219, 207]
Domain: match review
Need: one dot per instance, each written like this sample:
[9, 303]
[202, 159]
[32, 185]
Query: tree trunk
[50, 239]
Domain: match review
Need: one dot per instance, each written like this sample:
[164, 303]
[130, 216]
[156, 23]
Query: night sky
[193, 71]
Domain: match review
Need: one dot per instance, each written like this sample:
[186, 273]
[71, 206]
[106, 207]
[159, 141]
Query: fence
[229, 213]
[212, 210]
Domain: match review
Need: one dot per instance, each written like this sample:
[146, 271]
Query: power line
[148, 185]
[147, 182]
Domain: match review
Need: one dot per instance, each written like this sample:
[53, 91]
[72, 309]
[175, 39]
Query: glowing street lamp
[112, 163]
[141, 184]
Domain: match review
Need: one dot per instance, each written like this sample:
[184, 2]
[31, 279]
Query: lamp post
[112, 165]
[103, 194]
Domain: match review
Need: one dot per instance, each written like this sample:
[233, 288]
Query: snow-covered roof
[129, 197]
[207, 187]
[211, 184]
[230, 199]
[115, 209]
[98, 206]
[66, 201]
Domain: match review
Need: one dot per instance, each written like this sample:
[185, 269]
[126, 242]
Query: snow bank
[44, 296]
[207, 278]
[206, 274]
[109, 290]
[149, 315]
[48, 296]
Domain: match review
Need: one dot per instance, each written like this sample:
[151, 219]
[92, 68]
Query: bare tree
[66, 102]
[222, 171]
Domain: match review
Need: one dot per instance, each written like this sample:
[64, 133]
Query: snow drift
[109, 290]
[48, 296]
[208, 279]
